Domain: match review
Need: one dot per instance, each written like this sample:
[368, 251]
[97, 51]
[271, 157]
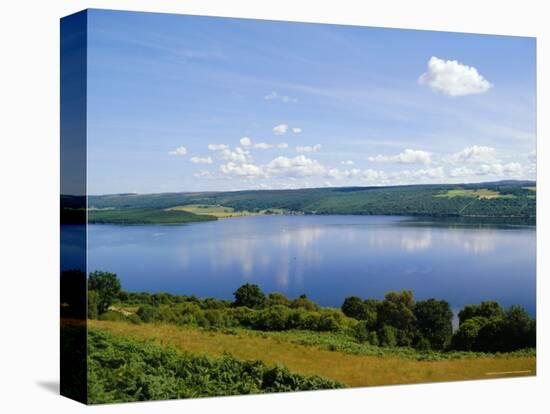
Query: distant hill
[501, 199]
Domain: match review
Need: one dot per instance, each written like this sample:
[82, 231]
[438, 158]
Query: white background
[29, 190]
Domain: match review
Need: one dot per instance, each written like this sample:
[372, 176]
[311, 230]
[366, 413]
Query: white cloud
[202, 173]
[309, 148]
[263, 145]
[201, 160]
[461, 172]
[297, 130]
[511, 169]
[238, 155]
[299, 166]
[280, 129]
[453, 78]
[283, 98]
[241, 170]
[217, 147]
[473, 154]
[179, 151]
[245, 141]
[409, 156]
[347, 162]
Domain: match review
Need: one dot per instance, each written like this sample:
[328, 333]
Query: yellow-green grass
[531, 188]
[220, 211]
[482, 193]
[353, 370]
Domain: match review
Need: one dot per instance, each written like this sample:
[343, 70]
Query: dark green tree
[397, 311]
[303, 302]
[92, 304]
[107, 287]
[249, 295]
[276, 298]
[518, 329]
[434, 322]
[487, 309]
[353, 307]
[465, 338]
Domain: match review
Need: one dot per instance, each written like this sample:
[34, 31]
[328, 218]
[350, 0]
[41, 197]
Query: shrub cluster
[487, 327]
[122, 369]
[396, 320]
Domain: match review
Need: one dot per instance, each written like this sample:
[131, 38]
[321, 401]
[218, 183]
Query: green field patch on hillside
[220, 211]
[481, 194]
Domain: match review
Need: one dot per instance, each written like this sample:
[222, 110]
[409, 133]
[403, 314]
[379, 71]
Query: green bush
[112, 316]
[122, 369]
[249, 295]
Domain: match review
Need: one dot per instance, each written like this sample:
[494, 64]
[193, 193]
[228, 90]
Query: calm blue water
[325, 257]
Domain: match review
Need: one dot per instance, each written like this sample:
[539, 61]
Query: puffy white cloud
[264, 145]
[280, 129]
[201, 160]
[473, 154]
[217, 147]
[453, 78]
[511, 169]
[237, 155]
[241, 170]
[283, 98]
[297, 130]
[299, 166]
[309, 148]
[409, 156]
[179, 151]
[245, 141]
[347, 162]
[461, 172]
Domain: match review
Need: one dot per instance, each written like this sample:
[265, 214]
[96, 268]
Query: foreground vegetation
[505, 199]
[395, 321]
[122, 369]
[293, 350]
[156, 346]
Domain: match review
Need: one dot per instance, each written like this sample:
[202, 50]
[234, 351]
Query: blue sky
[188, 103]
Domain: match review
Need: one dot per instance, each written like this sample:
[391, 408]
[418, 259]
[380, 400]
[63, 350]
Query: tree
[107, 287]
[397, 311]
[277, 298]
[434, 322]
[353, 307]
[92, 304]
[464, 339]
[518, 329]
[249, 295]
[303, 302]
[487, 309]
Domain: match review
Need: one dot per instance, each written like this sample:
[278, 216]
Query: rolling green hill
[504, 199]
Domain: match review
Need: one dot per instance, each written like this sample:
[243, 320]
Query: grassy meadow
[351, 369]
[222, 211]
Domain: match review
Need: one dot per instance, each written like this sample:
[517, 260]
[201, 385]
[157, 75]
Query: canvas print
[252, 206]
